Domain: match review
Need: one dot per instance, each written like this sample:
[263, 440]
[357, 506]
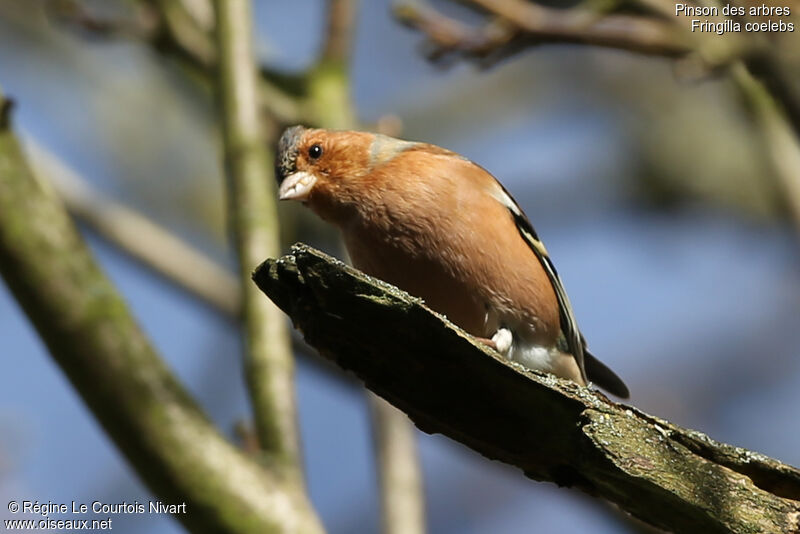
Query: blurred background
[654, 192]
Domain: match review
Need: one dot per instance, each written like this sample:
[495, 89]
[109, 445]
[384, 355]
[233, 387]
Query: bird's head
[319, 167]
[331, 171]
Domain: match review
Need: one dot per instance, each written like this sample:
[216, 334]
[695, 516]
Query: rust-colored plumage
[442, 228]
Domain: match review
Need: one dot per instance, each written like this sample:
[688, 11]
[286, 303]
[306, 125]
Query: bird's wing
[569, 326]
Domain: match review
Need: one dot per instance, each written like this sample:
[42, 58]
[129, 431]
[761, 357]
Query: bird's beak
[297, 186]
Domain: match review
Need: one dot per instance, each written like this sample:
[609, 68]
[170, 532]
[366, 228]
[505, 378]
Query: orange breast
[429, 227]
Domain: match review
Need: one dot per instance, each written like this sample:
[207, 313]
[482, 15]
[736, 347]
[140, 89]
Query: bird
[442, 228]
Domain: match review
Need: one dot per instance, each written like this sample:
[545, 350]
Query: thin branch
[626, 32]
[186, 32]
[402, 494]
[522, 24]
[340, 30]
[154, 246]
[329, 96]
[515, 25]
[138, 236]
[141, 26]
[328, 81]
[776, 79]
[254, 220]
[95, 340]
[188, 35]
[447, 35]
[780, 142]
[182, 29]
[552, 429]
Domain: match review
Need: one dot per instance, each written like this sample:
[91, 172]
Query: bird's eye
[315, 151]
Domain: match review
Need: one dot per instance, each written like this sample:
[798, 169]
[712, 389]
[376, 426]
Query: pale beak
[297, 186]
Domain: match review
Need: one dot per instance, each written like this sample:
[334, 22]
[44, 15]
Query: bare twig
[447, 35]
[512, 26]
[780, 141]
[191, 34]
[552, 429]
[254, 220]
[522, 24]
[328, 81]
[775, 79]
[95, 340]
[340, 31]
[183, 29]
[142, 25]
[626, 32]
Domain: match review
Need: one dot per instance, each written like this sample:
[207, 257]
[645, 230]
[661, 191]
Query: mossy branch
[552, 429]
[93, 337]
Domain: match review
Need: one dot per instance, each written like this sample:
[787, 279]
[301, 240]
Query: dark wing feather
[569, 326]
[604, 377]
[575, 343]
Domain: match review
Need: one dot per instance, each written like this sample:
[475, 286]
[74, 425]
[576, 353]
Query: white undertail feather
[537, 357]
[503, 340]
[569, 324]
[512, 341]
[530, 355]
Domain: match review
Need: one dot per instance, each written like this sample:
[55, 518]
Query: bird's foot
[488, 342]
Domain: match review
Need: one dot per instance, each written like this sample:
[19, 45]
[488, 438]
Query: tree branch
[446, 35]
[254, 219]
[152, 245]
[184, 33]
[552, 429]
[776, 80]
[325, 94]
[780, 142]
[328, 81]
[512, 26]
[135, 234]
[402, 494]
[641, 34]
[339, 34]
[183, 29]
[97, 343]
[520, 24]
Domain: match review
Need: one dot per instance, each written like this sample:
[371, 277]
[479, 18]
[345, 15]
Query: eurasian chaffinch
[442, 228]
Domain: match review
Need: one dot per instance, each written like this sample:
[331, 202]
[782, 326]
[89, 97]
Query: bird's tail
[604, 377]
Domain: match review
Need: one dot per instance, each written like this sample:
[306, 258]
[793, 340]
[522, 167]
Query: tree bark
[552, 429]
